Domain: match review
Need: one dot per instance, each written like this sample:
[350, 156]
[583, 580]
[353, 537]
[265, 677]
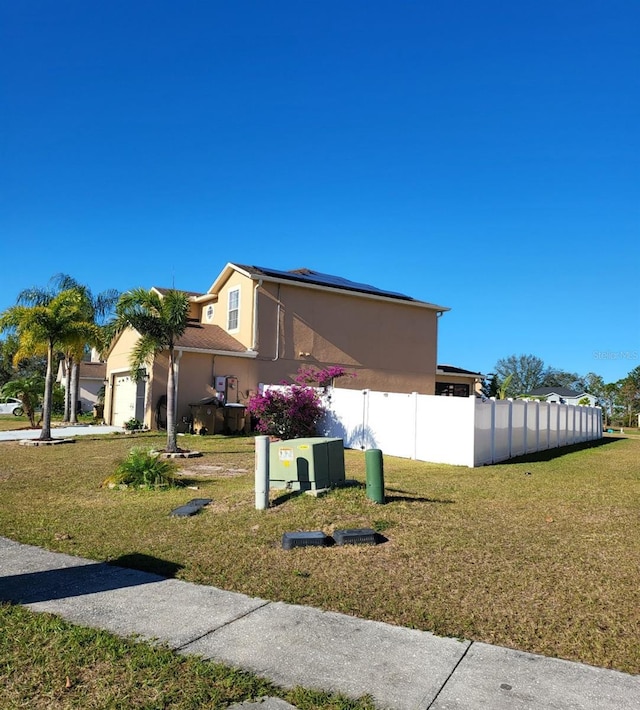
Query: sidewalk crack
[222, 626]
[448, 678]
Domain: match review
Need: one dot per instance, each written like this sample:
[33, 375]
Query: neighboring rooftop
[560, 391]
[164, 291]
[88, 370]
[451, 370]
[93, 370]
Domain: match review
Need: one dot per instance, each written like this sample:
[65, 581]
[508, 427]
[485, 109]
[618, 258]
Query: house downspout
[255, 315]
[175, 389]
[277, 328]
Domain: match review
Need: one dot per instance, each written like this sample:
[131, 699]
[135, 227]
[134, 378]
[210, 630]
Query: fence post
[365, 409]
[493, 429]
[414, 396]
[510, 426]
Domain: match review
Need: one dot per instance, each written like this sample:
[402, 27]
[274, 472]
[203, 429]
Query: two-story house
[260, 326]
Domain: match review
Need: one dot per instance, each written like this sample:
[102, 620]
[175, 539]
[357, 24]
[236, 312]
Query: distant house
[455, 382]
[258, 325]
[562, 395]
[92, 376]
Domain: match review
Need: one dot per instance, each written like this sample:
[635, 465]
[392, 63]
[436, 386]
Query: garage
[128, 399]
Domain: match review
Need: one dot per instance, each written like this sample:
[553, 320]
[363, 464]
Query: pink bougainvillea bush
[295, 410]
[321, 378]
[288, 413]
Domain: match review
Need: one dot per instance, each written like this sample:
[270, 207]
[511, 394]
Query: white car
[11, 405]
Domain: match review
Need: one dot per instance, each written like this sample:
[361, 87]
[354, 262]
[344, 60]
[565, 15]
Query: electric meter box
[308, 464]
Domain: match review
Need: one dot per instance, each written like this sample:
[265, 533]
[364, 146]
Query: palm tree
[47, 327]
[503, 387]
[95, 309]
[160, 321]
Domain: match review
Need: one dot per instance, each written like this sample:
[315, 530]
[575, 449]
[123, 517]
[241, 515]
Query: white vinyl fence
[466, 431]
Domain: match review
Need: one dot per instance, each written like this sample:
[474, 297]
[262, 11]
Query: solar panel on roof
[328, 280]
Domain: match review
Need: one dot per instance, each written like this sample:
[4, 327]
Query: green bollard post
[375, 475]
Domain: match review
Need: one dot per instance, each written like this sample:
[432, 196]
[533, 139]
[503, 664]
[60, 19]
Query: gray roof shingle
[202, 336]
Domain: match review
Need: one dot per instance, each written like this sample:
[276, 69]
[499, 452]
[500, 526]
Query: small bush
[133, 424]
[143, 469]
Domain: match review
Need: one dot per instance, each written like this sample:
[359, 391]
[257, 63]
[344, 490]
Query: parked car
[11, 405]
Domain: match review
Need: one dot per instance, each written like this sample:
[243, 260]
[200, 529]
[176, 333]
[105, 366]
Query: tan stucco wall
[391, 346]
[221, 308]
[156, 388]
[118, 358]
[117, 362]
[196, 378]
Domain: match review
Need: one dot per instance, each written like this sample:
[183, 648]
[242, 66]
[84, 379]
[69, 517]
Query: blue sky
[479, 155]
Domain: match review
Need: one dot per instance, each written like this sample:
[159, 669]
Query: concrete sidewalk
[400, 668]
[59, 432]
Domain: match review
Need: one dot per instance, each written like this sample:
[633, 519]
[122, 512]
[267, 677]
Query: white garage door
[128, 399]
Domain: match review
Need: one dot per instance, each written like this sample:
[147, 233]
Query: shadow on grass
[392, 495]
[550, 454]
[182, 481]
[282, 499]
[289, 494]
[78, 580]
[147, 563]
[404, 496]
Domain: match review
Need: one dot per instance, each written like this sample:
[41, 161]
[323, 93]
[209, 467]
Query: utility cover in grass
[190, 508]
[315, 538]
[356, 536]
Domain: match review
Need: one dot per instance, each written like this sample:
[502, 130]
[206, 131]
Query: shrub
[143, 468]
[288, 413]
[57, 398]
[133, 424]
[29, 390]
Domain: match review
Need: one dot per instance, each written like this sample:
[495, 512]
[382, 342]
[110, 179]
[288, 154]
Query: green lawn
[539, 555]
[9, 422]
[47, 663]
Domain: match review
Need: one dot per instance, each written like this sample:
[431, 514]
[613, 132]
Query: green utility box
[306, 464]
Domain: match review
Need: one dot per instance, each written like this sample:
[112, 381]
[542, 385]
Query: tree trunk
[172, 445]
[45, 434]
[73, 397]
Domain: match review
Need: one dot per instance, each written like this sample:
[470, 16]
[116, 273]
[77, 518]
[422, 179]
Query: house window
[233, 315]
[450, 389]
